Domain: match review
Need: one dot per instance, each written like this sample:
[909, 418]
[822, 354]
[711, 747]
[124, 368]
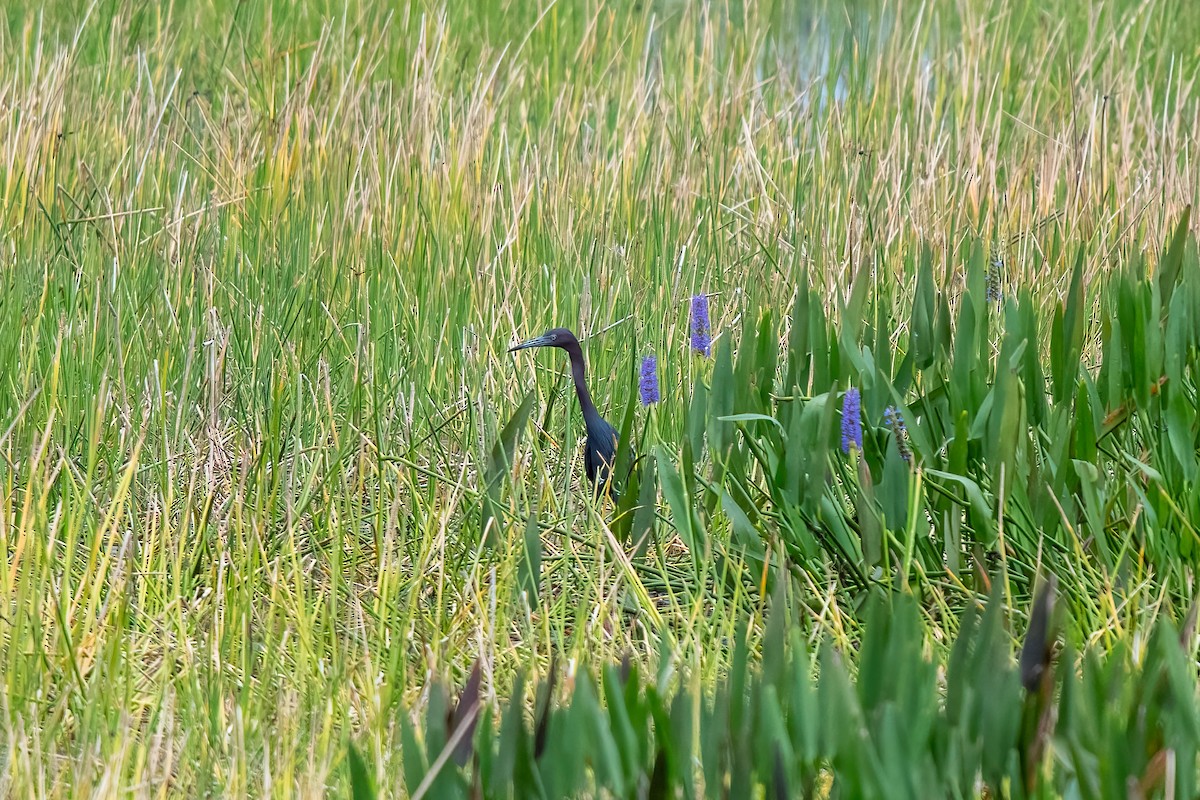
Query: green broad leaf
[1065, 365]
[741, 713]
[603, 753]
[804, 722]
[544, 709]
[766, 360]
[983, 416]
[627, 503]
[437, 709]
[620, 725]
[823, 371]
[860, 290]
[1033, 380]
[902, 381]
[922, 342]
[722, 399]
[446, 780]
[852, 354]
[958, 448]
[744, 367]
[662, 775]
[966, 359]
[683, 516]
[681, 738]
[412, 755]
[958, 677]
[1180, 421]
[799, 356]
[745, 535]
[1131, 337]
[737, 471]
[775, 638]
[893, 490]
[1058, 347]
[1006, 427]
[1172, 262]
[361, 786]
[1085, 426]
[790, 478]
[766, 451]
[529, 569]
[713, 735]
[1179, 684]
[642, 529]
[773, 750]
[562, 767]
[981, 512]
[847, 543]
[527, 778]
[870, 526]
[1147, 471]
[484, 754]
[875, 666]
[499, 464]
[752, 418]
[512, 732]
[1112, 370]
[837, 700]
[818, 446]
[943, 329]
[1178, 336]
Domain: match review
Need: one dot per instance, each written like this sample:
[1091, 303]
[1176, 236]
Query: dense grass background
[261, 264]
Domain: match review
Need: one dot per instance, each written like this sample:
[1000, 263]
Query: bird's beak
[539, 341]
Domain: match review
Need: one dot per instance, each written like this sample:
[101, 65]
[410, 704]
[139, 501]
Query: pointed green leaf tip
[360, 779]
[499, 463]
[1172, 260]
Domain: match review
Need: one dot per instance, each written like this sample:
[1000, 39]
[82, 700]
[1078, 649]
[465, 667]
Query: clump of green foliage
[794, 726]
[266, 469]
[988, 438]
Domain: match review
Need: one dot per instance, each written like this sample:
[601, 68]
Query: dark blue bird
[601, 450]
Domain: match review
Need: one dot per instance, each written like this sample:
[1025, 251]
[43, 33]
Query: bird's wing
[601, 454]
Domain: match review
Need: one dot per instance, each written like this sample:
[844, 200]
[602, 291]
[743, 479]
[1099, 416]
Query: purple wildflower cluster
[852, 435]
[895, 421]
[701, 327]
[648, 382]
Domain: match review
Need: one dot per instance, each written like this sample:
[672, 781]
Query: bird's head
[555, 337]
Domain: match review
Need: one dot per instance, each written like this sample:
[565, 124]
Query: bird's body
[600, 452]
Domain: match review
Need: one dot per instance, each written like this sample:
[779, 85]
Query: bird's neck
[578, 373]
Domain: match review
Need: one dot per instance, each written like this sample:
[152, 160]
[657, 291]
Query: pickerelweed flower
[648, 383]
[994, 294]
[701, 327]
[851, 420]
[895, 421]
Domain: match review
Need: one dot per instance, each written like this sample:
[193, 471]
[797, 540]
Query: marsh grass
[261, 266]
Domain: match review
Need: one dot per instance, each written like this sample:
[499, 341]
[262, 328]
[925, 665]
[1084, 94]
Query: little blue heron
[601, 450]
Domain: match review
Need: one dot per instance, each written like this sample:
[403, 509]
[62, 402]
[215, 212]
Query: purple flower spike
[851, 420]
[648, 384]
[701, 327]
[895, 421]
[994, 292]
